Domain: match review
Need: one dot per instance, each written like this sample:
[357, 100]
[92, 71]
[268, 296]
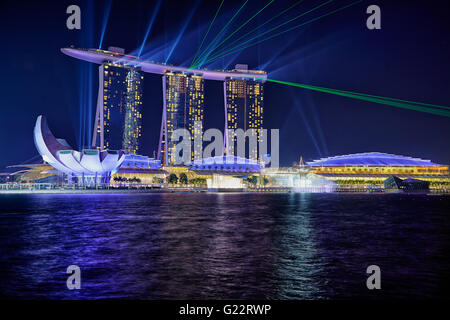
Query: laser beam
[150, 25]
[416, 106]
[209, 28]
[259, 27]
[307, 125]
[221, 31]
[273, 29]
[105, 22]
[394, 99]
[182, 30]
[242, 25]
[237, 48]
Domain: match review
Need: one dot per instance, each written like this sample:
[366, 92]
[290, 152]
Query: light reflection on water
[224, 246]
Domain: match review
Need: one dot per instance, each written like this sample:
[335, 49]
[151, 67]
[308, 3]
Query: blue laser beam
[150, 25]
[105, 22]
[206, 52]
[183, 29]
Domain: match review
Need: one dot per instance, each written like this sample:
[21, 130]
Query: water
[224, 246]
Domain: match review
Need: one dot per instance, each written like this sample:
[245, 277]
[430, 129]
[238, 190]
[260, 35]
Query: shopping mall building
[373, 168]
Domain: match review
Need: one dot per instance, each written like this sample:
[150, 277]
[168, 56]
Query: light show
[215, 159]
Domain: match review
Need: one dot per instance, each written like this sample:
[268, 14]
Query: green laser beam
[223, 29]
[259, 27]
[387, 102]
[238, 48]
[386, 98]
[380, 100]
[278, 26]
[241, 26]
[210, 25]
[273, 29]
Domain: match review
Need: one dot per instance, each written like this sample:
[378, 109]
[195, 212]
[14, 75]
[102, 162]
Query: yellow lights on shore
[382, 170]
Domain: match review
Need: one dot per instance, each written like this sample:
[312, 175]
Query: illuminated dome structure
[373, 168]
[371, 159]
[89, 167]
[227, 165]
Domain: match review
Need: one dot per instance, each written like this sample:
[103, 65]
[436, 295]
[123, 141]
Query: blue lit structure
[371, 159]
[88, 167]
[227, 165]
[243, 96]
[373, 168]
[133, 161]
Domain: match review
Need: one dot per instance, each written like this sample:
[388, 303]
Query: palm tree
[173, 179]
[183, 178]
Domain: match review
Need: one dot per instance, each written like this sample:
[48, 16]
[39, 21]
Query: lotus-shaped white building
[88, 167]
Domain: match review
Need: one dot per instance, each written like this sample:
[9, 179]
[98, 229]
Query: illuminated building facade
[373, 168]
[118, 121]
[245, 112]
[227, 165]
[137, 170]
[244, 107]
[133, 114]
[183, 106]
[89, 167]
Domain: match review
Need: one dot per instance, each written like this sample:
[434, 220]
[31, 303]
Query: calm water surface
[224, 246]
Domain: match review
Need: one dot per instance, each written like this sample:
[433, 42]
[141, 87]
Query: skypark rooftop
[99, 56]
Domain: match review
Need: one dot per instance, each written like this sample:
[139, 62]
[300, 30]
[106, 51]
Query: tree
[197, 181]
[173, 179]
[183, 178]
[253, 179]
[135, 180]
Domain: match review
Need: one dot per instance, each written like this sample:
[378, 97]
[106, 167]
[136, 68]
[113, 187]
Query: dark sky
[407, 59]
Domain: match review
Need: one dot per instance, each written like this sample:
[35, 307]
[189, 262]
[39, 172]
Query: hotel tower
[244, 101]
[183, 104]
[118, 120]
[119, 114]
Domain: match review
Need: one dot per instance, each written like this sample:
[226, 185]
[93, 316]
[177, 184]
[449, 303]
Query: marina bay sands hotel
[118, 119]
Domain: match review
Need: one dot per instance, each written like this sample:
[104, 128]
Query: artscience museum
[90, 167]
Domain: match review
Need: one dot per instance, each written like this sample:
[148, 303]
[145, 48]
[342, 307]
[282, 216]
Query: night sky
[409, 58]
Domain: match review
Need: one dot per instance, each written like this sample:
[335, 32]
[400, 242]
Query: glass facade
[184, 105]
[119, 108]
[133, 114]
[244, 110]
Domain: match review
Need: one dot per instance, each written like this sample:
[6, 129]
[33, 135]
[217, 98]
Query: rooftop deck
[99, 56]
